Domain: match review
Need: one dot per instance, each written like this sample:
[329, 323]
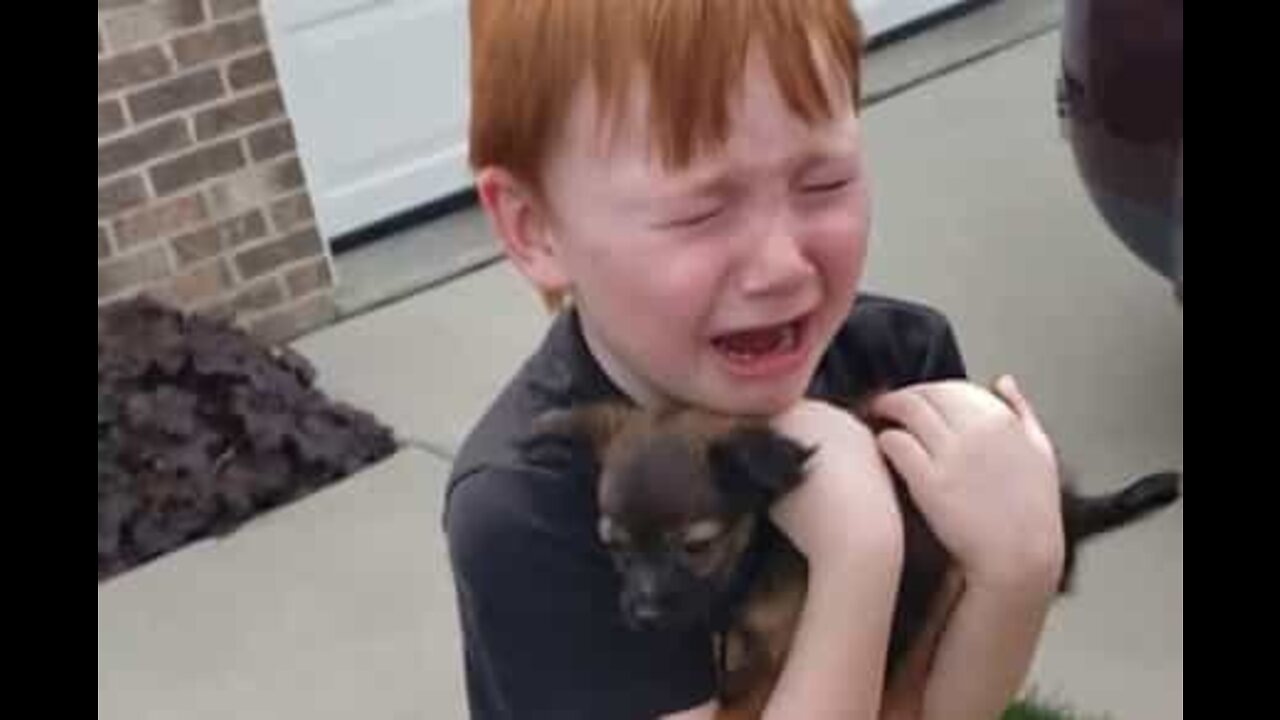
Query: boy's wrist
[996, 628]
[836, 664]
[860, 555]
[1033, 571]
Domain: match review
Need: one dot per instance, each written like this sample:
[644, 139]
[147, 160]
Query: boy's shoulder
[872, 309]
[888, 342]
[559, 372]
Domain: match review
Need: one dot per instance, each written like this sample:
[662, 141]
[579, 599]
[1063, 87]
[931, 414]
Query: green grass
[1039, 708]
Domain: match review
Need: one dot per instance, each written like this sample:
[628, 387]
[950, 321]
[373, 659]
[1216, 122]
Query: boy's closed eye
[826, 186]
[690, 202]
[692, 217]
[828, 175]
[693, 209]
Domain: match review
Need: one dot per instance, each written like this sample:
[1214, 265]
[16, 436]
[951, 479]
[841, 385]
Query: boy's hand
[984, 475]
[845, 511]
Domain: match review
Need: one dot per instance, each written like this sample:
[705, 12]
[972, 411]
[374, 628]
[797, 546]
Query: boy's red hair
[529, 57]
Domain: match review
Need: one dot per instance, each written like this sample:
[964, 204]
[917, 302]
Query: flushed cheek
[655, 309]
[841, 260]
[679, 295]
[839, 246]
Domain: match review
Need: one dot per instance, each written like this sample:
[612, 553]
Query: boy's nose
[777, 266]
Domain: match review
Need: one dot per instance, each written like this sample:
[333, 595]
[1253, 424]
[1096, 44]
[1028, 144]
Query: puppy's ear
[575, 437]
[755, 464]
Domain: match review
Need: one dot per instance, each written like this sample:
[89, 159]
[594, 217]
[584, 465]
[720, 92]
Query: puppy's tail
[1085, 517]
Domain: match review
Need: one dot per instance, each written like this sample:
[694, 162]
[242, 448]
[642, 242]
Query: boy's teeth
[787, 338]
[751, 343]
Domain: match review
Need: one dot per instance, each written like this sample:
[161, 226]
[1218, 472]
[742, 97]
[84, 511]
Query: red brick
[224, 8]
[198, 166]
[132, 68]
[130, 271]
[110, 118]
[243, 229]
[271, 142]
[133, 150]
[180, 93]
[291, 212]
[262, 259]
[285, 175]
[202, 244]
[259, 296]
[202, 283]
[194, 247]
[254, 188]
[121, 194]
[238, 193]
[161, 220]
[238, 114]
[216, 310]
[225, 39]
[249, 71]
[308, 278]
[152, 22]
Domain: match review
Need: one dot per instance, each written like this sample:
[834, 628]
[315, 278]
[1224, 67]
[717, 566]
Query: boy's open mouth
[763, 349]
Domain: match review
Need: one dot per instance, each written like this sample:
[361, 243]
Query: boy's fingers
[1007, 388]
[961, 402]
[907, 456]
[917, 415]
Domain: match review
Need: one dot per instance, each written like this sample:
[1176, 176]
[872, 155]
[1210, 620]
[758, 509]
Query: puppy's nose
[647, 616]
[655, 596]
[647, 612]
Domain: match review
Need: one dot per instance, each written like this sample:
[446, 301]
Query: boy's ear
[756, 464]
[522, 224]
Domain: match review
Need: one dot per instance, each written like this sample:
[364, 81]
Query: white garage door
[377, 90]
[881, 16]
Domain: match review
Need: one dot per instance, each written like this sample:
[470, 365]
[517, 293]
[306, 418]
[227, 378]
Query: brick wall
[201, 198]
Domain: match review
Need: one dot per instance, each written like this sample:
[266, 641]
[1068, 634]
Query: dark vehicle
[1120, 98]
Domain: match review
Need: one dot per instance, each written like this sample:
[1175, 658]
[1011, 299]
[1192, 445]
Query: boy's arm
[904, 697]
[844, 518]
[984, 474]
[836, 665]
[938, 678]
[985, 652]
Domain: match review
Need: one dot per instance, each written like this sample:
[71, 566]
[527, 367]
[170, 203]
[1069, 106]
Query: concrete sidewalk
[341, 606]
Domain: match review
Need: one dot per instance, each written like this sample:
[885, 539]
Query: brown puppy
[683, 496]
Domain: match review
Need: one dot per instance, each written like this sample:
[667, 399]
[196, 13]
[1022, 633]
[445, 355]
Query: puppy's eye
[612, 535]
[698, 547]
[701, 536]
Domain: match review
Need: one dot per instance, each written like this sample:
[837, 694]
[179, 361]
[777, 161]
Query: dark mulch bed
[201, 427]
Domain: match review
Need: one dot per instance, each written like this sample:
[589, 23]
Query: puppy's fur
[683, 494]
